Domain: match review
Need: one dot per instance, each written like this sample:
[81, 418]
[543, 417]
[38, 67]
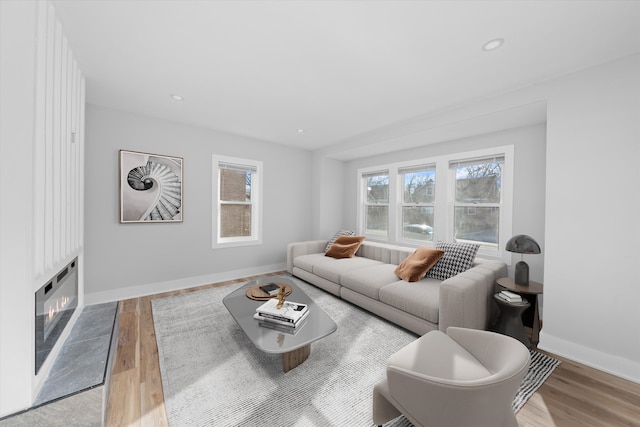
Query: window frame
[444, 202]
[401, 171]
[256, 202]
[364, 186]
[453, 165]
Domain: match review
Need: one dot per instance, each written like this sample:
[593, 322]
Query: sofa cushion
[389, 254]
[421, 298]
[418, 263]
[368, 281]
[338, 234]
[458, 257]
[345, 247]
[306, 262]
[333, 269]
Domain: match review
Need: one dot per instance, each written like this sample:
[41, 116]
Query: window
[478, 199]
[461, 197]
[377, 203]
[418, 197]
[237, 194]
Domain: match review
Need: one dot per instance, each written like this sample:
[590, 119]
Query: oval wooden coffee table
[295, 346]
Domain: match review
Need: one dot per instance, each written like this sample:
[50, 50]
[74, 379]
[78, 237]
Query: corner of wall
[606, 362]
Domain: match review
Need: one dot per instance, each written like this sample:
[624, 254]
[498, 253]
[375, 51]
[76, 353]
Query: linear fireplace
[55, 303]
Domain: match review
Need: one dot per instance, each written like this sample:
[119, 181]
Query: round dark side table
[510, 320]
[530, 292]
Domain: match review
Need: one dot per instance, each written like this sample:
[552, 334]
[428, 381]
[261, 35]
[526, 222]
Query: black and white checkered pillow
[338, 234]
[458, 257]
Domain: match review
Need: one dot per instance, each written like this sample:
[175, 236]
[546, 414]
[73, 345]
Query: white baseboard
[606, 362]
[177, 284]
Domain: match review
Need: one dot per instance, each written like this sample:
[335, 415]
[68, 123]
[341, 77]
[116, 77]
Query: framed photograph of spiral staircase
[150, 188]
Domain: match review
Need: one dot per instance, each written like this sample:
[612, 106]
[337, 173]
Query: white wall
[125, 260]
[529, 178]
[17, 108]
[328, 189]
[592, 285]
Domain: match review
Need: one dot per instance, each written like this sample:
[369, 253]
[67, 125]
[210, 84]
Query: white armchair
[466, 377]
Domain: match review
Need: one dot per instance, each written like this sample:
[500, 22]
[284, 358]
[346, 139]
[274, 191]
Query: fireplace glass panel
[55, 303]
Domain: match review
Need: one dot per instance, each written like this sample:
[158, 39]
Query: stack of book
[290, 315]
[271, 289]
[511, 297]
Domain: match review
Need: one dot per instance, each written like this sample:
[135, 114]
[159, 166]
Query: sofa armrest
[465, 299]
[303, 248]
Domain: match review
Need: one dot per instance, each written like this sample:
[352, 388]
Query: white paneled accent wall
[41, 182]
[58, 150]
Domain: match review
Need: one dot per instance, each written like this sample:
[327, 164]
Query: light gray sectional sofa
[368, 280]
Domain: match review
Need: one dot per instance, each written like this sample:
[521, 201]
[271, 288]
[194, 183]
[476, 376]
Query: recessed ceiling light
[492, 44]
[300, 130]
[176, 97]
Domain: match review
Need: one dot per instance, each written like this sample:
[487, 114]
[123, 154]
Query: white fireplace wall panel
[58, 150]
[42, 220]
[58, 173]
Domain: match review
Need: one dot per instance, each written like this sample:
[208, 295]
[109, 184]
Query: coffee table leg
[295, 358]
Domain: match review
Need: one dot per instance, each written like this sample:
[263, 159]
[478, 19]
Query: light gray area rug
[212, 375]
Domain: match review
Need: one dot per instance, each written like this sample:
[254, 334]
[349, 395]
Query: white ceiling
[337, 69]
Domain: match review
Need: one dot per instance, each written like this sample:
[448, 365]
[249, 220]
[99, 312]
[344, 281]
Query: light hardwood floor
[574, 395]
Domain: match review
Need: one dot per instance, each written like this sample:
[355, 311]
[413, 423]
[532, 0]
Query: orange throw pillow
[345, 247]
[418, 263]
